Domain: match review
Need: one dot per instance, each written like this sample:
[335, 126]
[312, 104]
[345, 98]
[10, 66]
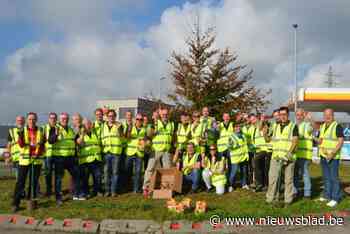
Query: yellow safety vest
[207, 127]
[188, 163]
[48, 147]
[259, 142]
[222, 143]
[15, 149]
[183, 136]
[65, 145]
[162, 140]
[98, 127]
[219, 175]
[238, 149]
[133, 147]
[304, 149]
[196, 136]
[25, 159]
[111, 139]
[282, 141]
[329, 139]
[91, 149]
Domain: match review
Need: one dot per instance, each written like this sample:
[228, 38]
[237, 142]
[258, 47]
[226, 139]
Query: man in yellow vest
[214, 171]
[238, 148]
[49, 149]
[112, 140]
[210, 128]
[191, 166]
[13, 149]
[197, 133]
[183, 135]
[225, 130]
[135, 150]
[64, 156]
[284, 140]
[90, 158]
[98, 124]
[31, 143]
[261, 154]
[331, 140]
[304, 154]
[161, 145]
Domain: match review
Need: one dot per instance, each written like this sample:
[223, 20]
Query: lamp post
[295, 26]
[160, 89]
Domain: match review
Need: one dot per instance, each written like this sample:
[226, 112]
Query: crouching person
[215, 169]
[89, 154]
[191, 166]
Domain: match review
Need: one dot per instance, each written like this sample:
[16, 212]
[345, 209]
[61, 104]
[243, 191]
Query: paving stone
[50, 224]
[9, 221]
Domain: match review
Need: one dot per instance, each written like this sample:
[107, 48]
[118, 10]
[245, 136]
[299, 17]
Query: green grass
[131, 206]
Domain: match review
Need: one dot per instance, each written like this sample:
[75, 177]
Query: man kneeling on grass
[215, 169]
[191, 165]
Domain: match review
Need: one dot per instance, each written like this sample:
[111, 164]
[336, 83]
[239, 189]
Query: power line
[331, 78]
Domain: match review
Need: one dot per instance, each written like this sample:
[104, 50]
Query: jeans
[302, 170]
[193, 178]
[111, 172]
[23, 171]
[135, 163]
[243, 172]
[48, 169]
[71, 164]
[330, 174]
[93, 168]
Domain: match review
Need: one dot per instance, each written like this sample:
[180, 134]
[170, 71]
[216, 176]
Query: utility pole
[331, 78]
[295, 26]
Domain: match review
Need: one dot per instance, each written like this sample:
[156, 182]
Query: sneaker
[82, 198]
[322, 199]
[246, 187]
[209, 190]
[230, 189]
[75, 198]
[332, 203]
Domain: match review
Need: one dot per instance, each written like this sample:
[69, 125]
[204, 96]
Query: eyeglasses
[139, 119]
[212, 149]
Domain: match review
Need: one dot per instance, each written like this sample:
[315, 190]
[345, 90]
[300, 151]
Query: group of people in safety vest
[266, 155]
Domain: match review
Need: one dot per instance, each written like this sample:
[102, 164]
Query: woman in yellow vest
[197, 133]
[183, 135]
[238, 148]
[330, 142]
[214, 171]
[191, 167]
[225, 130]
[135, 150]
[31, 143]
[89, 155]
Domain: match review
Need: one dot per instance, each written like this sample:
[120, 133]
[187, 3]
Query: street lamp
[295, 26]
[160, 91]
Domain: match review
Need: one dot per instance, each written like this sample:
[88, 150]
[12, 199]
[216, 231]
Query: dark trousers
[48, 172]
[250, 170]
[87, 169]
[71, 165]
[23, 171]
[260, 169]
[267, 167]
[134, 163]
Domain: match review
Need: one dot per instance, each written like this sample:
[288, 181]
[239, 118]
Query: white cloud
[95, 60]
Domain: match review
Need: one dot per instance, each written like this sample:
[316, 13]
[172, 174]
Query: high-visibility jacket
[329, 139]
[304, 149]
[163, 136]
[282, 141]
[91, 149]
[111, 139]
[224, 134]
[48, 147]
[238, 148]
[197, 136]
[133, 147]
[183, 134]
[272, 129]
[65, 144]
[251, 130]
[188, 163]
[209, 130]
[98, 125]
[218, 177]
[25, 159]
[15, 149]
[258, 140]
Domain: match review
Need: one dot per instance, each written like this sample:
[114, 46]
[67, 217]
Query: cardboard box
[165, 182]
